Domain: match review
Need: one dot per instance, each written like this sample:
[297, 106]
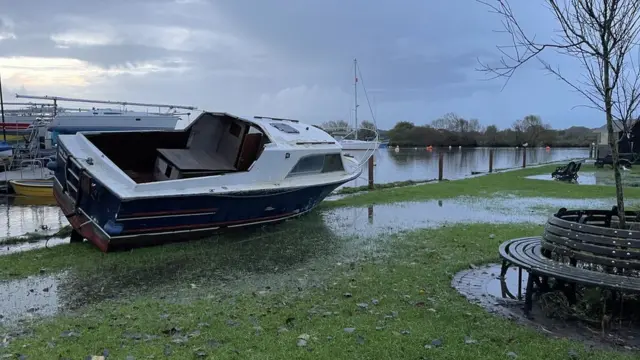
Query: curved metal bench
[585, 238]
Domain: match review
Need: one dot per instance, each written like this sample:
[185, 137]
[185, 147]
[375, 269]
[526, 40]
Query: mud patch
[482, 286]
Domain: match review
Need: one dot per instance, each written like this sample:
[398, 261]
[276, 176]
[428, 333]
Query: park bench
[577, 247]
[568, 172]
[626, 160]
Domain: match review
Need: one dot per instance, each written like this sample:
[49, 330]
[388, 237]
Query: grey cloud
[270, 56]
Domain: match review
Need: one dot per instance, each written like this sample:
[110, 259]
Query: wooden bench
[578, 247]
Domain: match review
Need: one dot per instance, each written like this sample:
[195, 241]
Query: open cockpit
[214, 144]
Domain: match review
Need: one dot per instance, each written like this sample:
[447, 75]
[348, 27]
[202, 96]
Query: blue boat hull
[99, 216]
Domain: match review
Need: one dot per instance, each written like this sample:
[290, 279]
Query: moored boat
[33, 188]
[6, 150]
[348, 144]
[221, 171]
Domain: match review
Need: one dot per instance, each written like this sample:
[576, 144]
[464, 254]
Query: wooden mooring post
[371, 164]
[440, 165]
[490, 160]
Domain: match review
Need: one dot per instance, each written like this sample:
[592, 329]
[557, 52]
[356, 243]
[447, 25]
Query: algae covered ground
[367, 277]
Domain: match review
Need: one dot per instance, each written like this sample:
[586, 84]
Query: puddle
[597, 178]
[506, 288]
[21, 216]
[482, 286]
[379, 219]
[30, 297]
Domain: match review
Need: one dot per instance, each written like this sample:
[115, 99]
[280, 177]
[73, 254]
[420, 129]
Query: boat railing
[6, 177]
[32, 163]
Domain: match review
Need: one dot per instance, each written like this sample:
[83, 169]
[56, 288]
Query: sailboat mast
[355, 93]
[4, 131]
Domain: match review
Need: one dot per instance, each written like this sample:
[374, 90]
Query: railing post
[371, 183]
[524, 158]
[490, 160]
[440, 165]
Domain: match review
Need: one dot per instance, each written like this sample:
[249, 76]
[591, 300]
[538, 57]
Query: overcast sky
[288, 58]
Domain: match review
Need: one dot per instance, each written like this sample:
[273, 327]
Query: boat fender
[52, 165]
[113, 228]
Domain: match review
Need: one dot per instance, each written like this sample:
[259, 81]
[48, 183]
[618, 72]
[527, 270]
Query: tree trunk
[613, 143]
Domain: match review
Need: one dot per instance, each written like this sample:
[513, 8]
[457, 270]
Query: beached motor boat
[33, 188]
[221, 171]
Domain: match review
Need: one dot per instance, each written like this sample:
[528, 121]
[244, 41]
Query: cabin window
[285, 128]
[315, 164]
[332, 162]
[235, 129]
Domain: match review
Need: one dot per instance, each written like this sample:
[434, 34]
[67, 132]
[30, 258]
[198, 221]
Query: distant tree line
[453, 130]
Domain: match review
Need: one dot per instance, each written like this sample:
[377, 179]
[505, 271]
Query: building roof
[617, 125]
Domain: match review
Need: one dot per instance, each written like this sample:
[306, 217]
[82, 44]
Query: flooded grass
[361, 277]
[602, 176]
[401, 306]
[511, 182]
[356, 189]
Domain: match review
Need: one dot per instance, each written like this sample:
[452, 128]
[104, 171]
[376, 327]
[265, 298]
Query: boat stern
[82, 224]
[88, 205]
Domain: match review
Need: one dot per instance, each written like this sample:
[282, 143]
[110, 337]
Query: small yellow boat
[35, 188]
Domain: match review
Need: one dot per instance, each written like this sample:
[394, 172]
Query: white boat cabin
[216, 149]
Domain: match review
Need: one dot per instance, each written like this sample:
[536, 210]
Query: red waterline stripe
[176, 212]
[206, 225]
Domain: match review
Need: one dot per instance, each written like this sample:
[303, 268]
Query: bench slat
[526, 253]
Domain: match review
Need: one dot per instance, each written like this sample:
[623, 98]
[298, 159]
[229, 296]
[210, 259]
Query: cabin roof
[281, 131]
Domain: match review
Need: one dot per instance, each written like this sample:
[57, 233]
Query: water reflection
[24, 215]
[375, 220]
[420, 164]
[33, 296]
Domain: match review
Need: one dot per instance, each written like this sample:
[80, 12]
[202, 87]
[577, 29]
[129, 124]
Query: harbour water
[420, 164]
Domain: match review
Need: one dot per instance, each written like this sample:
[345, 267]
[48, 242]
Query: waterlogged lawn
[382, 308]
[296, 290]
[508, 182]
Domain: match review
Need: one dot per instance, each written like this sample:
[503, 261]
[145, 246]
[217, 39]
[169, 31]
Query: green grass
[396, 184]
[246, 325]
[513, 182]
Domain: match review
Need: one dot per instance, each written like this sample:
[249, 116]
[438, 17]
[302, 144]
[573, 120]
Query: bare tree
[602, 35]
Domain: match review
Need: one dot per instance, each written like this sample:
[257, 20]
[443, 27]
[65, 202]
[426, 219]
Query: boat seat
[190, 162]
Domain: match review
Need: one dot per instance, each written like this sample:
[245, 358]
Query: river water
[420, 164]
